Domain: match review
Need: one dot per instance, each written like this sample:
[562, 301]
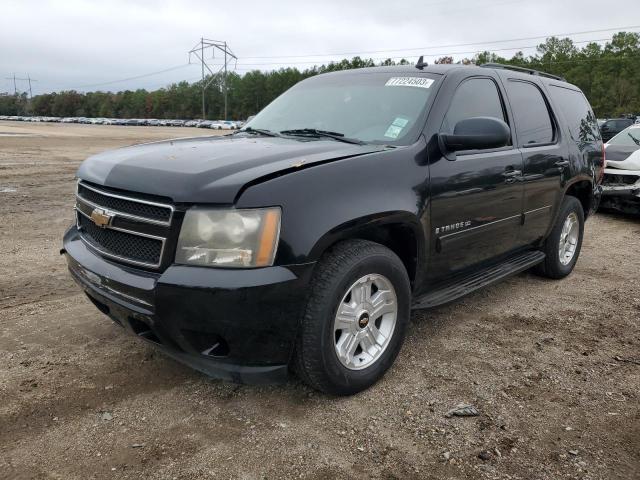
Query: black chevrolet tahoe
[302, 242]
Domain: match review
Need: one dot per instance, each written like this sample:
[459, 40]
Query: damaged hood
[210, 169]
[631, 162]
[619, 152]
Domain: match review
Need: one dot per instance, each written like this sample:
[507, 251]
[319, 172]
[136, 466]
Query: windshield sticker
[396, 127]
[393, 131]
[419, 82]
[400, 122]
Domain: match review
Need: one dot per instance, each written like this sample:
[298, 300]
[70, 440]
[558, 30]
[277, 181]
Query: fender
[332, 201]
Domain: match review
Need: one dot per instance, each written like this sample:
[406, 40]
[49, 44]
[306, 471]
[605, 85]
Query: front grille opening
[99, 305]
[613, 179]
[143, 330]
[132, 207]
[121, 244]
[104, 309]
[208, 344]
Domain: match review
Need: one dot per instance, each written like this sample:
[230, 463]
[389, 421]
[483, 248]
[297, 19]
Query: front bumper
[621, 190]
[237, 325]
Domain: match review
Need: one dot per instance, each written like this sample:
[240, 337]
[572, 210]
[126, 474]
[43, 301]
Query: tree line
[608, 74]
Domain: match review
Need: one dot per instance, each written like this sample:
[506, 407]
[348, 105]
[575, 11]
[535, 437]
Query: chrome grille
[143, 210]
[137, 231]
[120, 243]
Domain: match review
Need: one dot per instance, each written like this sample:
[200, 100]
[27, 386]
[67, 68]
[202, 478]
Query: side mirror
[476, 133]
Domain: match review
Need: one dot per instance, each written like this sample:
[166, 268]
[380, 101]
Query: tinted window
[477, 97]
[621, 124]
[577, 112]
[530, 113]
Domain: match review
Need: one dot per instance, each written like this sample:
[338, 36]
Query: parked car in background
[614, 126]
[621, 183]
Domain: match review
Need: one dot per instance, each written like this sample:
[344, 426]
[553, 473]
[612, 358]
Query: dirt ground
[552, 366]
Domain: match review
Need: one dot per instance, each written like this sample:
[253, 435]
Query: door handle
[512, 173]
[562, 163]
[510, 176]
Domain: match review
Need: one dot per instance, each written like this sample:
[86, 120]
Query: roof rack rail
[530, 71]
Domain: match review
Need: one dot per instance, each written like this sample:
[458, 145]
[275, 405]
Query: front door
[476, 199]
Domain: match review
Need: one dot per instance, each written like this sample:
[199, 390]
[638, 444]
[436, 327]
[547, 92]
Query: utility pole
[198, 50]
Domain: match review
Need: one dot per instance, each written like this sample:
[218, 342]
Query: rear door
[545, 158]
[476, 199]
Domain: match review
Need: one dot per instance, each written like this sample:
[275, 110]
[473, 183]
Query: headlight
[229, 238]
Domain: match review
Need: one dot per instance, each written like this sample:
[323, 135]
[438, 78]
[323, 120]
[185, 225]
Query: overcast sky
[96, 45]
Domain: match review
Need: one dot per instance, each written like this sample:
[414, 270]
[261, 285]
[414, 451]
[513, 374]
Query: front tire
[355, 318]
[562, 247]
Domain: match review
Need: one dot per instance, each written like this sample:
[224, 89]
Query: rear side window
[477, 97]
[621, 124]
[577, 112]
[530, 113]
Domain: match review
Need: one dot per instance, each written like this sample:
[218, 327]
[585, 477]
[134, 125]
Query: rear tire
[562, 247]
[345, 354]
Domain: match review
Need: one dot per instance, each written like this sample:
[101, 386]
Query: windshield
[629, 137]
[373, 107]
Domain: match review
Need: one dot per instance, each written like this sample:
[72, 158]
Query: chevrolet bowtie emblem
[102, 218]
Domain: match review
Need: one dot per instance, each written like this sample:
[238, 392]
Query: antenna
[421, 63]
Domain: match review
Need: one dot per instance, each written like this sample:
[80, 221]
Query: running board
[465, 284]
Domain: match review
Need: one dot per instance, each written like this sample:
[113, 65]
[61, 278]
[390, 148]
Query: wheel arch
[582, 189]
[400, 232]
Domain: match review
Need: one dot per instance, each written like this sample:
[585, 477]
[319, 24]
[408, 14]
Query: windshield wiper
[259, 131]
[314, 132]
[637, 141]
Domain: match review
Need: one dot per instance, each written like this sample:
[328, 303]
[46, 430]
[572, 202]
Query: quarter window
[580, 118]
[477, 97]
[530, 113]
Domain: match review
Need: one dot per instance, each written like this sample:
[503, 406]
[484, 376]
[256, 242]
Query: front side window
[577, 112]
[477, 97]
[374, 107]
[530, 113]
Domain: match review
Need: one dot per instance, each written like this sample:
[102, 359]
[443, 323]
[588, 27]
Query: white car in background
[222, 125]
[621, 183]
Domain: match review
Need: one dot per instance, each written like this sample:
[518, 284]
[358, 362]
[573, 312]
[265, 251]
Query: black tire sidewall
[553, 264]
[344, 379]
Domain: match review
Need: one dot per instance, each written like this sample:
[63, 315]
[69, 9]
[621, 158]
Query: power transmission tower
[199, 50]
[15, 89]
[28, 79]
